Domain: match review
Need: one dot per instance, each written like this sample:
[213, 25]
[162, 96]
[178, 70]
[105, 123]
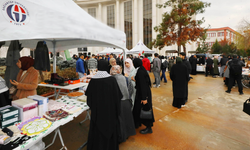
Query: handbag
[13, 89]
[146, 114]
[246, 106]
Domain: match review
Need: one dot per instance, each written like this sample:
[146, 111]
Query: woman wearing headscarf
[27, 78]
[127, 127]
[179, 75]
[143, 98]
[130, 72]
[171, 63]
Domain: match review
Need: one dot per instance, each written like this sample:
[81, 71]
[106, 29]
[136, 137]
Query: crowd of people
[116, 95]
[118, 92]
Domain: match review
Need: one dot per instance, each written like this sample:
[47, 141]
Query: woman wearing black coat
[143, 98]
[179, 75]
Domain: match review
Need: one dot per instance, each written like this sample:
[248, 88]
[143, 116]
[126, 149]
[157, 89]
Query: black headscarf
[138, 63]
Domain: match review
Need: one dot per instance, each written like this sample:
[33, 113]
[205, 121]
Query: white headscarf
[126, 69]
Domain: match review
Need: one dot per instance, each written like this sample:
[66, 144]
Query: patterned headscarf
[26, 62]
[116, 69]
[126, 69]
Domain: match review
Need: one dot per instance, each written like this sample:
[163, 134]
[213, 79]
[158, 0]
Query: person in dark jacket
[209, 66]
[193, 62]
[185, 62]
[143, 98]
[180, 77]
[102, 63]
[233, 75]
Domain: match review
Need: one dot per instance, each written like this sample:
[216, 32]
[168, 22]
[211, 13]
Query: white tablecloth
[67, 87]
[57, 123]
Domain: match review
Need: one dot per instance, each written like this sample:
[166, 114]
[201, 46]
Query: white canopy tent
[140, 48]
[110, 50]
[61, 23]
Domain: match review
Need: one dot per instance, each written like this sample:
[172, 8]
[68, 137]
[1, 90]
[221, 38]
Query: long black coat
[104, 100]
[180, 76]
[193, 62]
[143, 92]
[42, 61]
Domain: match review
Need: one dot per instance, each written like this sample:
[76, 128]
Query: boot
[147, 130]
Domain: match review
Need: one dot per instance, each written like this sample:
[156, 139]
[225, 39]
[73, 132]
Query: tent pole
[124, 56]
[54, 54]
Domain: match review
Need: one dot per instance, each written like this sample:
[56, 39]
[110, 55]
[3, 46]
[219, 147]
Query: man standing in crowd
[185, 62]
[223, 62]
[92, 64]
[157, 70]
[209, 66]
[235, 73]
[103, 64]
[180, 77]
[80, 71]
[146, 63]
[193, 63]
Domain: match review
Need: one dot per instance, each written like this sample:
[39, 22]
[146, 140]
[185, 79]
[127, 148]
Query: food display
[75, 95]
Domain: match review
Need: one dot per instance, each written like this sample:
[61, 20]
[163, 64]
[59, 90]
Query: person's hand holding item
[14, 82]
[144, 102]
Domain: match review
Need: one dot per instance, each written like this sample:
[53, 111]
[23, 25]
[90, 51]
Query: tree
[216, 48]
[178, 26]
[243, 36]
[203, 46]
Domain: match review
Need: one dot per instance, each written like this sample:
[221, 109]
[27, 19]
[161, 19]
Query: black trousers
[232, 79]
[210, 69]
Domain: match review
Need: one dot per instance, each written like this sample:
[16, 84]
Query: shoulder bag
[13, 89]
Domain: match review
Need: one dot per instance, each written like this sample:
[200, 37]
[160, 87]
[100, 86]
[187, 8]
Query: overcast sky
[225, 13]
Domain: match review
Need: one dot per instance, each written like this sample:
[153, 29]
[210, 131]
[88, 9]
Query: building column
[225, 34]
[154, 23]
[140, 22]
[99, 16]
[117, 15]
[135, 22]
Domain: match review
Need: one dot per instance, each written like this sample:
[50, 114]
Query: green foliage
[243, 35]
[203, 46]
[180, 16]
[216, 48]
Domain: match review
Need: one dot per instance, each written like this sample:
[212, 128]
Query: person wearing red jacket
[146, 63]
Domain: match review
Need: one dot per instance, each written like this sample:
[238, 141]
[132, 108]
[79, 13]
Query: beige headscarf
[116, 69]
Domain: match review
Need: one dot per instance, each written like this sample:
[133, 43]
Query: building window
[128, 25]
[92, 12]
[147, 21]
[111, 16]
[221, 34]
[211, 35]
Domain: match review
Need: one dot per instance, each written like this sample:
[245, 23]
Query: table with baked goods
[55, 126]
[245, 77]
[58, 88]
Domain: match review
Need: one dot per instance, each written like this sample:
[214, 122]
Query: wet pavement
[211, 120]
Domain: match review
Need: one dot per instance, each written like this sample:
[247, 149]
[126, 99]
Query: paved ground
[211, 120]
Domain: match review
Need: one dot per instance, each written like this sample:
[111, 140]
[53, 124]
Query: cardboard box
[8, 116]
[42, 103]
[27, 108]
